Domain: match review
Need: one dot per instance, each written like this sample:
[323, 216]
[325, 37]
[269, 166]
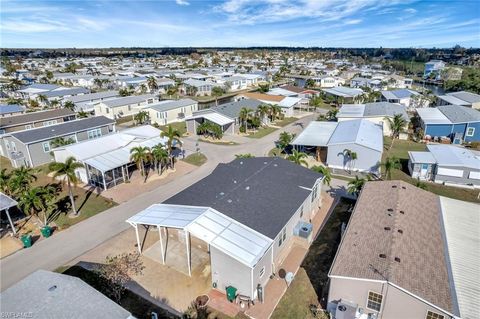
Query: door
[424, 171]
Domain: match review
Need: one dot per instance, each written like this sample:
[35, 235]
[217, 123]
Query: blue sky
[160, 23]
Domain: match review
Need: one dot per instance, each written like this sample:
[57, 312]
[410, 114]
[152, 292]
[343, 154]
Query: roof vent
[229, 200]
[275, 165]
[397, 259]
[394, 186]
[390, 209]
[402, 212]
[241, 163]
[52, 288]
[382, 256]
[222, 193]
[265, 163]
[387, 228]
[403, 187]
[247, 188]
[234, 181]
[400, 231]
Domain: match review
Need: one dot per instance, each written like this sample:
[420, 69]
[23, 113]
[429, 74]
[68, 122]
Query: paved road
[80, 238]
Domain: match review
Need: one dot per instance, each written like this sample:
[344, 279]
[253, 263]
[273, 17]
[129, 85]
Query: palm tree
[173, 137]
[42, 98]
[15, 84]
[141, 117]
[21, 178]
[276, 112]
[216, 92]
[397, 124]
[332, 115]
[160, 156]
[69, 105]
[5, 181]
[140, 155]
[390, 164]
[262, 111]
[152, 83]
[284, 140]
[244, 116]
[351, 157]
[356, 185]
[327, 177]
[54, 103]
[32, 201]
[67, 172]
[82, 114]
[173, 90]
[298, 158]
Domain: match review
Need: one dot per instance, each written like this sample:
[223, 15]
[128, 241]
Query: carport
[6, 202]
[238, 242]
[214, 117]
[316, 134]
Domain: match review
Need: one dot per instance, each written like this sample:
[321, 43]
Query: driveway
[65, 246]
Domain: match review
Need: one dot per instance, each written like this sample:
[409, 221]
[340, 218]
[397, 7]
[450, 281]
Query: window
[27, 127]
[2, 131]
[283, 236]
[301, 211]
[314, 192]
[129, 107]
[14, 147]
[470, 131]
[107, 110]
[94, 133]
[262, 271]
[46, 147]
[48, 123]
[8, 145]
[374, 301]
[434, 315]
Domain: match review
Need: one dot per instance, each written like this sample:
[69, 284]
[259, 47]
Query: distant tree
[284, 140]
[310, 83]
[141, 117]
[82, 114]
[217, 92]
[160, 157]
[173, 137]
[332, 115]
[355, 186]
[152, 83]
[397, 125]
[389, 165]
[263, 88]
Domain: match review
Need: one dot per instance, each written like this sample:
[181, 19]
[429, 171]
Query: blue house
[459, 123]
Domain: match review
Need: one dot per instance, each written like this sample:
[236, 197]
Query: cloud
[410, 11]
[353, 21]
[182, 2]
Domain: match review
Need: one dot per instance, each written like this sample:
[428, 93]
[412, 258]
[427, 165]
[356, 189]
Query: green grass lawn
[285, 121]
[197, 159]
[179, 126]
[261, 132]
[400, 150]
[310, 282]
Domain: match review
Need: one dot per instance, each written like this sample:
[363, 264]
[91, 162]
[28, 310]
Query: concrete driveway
[65, 246]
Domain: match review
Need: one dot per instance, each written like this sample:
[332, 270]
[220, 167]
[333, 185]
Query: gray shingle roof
[466, 96]
[11, 108]
[460, 114]
[232, 109]
[70, 91]
[62, 129]
[34, 117]
[385, 109]
[262, 193]
[170, 105]
[92, 96]
[128, 100]
[47, 294]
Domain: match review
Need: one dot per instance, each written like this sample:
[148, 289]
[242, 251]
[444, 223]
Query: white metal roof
[316, 134]
[6, 202]
[214, 117]
[432, 115]
[461, 221]
[351, 110]
[422, 157]
[451, 155]
[227, 235]
[359, 131]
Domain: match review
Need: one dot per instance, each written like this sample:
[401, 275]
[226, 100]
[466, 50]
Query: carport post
[188, 253]
[104, 183]
[138, 239]
[10, 221]
[161, 243]
[123, 175]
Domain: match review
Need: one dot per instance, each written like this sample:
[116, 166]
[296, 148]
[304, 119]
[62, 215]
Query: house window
[374, 301]
[27, 127]
[48, 123]
[301, 211]
[46, 147]
[2, 131]
[470, 131]
[262, 271]
[94, 133]
[14, 147]
[107, 110]
[8, 146]
[129, 107]
[283, 236]
[434, 315]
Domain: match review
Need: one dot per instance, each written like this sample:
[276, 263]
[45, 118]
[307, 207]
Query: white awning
[227, 235]
[6, 202]
[214, 117]
[315, 134]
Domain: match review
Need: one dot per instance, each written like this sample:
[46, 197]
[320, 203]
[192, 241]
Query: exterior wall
[227, 271]
[476, 135]
[173, 115]
[450, 130]
[460, 181]
[396, 303]
[266, 264]
[120, 111]
[438, 129]
[191, 126]
[416, 171]
[20, 148]
[368, 159]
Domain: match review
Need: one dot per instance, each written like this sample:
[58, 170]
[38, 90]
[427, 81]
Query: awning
[315, 134]
[214, 117]
[225, 234]
[6, 202]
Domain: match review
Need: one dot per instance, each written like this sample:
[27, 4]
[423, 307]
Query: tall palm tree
[262, 111]
[67, 172]
[390, 164]
[172, 90]
[327, 176]
[351, 157]
[244, 116]
[356, 185]
[54, 103]
[397, 125]
[173, 137]
[160, 156]
[21, 178]
[332, 115]
[152, 83]
[298, 158]
[276, 112]
[141, 117]
[32, 200]
[42, 98]
[69, 105]
[140, 155]
[5, 181]
[82, 114]
[216, 92]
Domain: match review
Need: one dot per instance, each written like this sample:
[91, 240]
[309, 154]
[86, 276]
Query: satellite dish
[289, 278]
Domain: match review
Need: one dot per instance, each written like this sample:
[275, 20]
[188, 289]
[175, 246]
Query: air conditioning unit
[346, 310]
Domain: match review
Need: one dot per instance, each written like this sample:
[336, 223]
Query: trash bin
[231, 293]
[26, 240]
[46, 231]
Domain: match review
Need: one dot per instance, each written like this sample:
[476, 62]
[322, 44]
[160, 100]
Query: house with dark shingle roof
[249, 212]
[35, 119]
[33, 147]
[407, 253]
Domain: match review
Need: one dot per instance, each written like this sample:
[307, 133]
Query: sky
[239, 23]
